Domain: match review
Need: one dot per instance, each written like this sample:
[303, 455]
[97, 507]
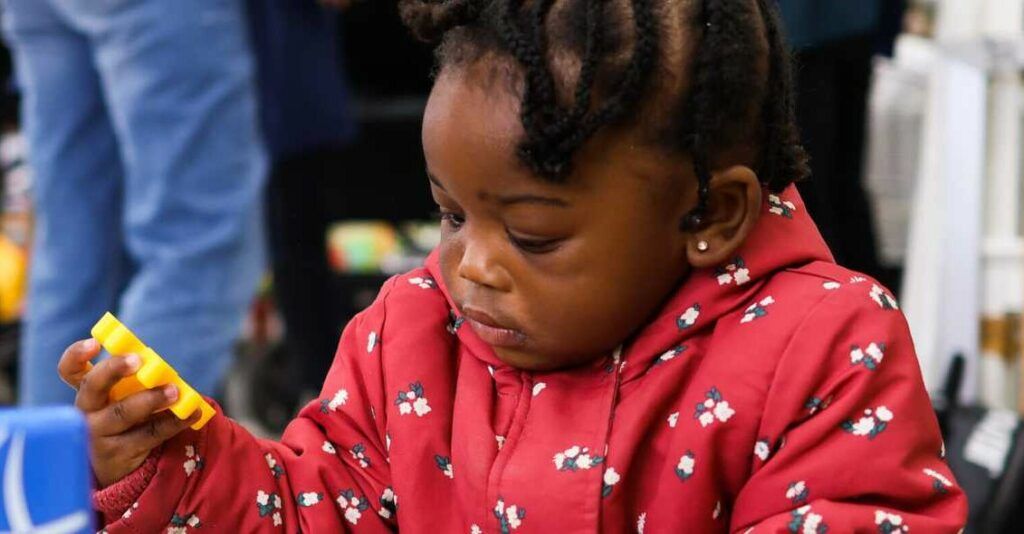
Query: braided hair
[739, 90]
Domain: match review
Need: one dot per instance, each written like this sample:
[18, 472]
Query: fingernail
[89, 345]
[133, 362]
[171, 392]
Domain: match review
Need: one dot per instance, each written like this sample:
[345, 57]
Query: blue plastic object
[45, 479]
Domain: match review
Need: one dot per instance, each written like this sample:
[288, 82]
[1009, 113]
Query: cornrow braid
[724, 75]
[551, 152]
[784, 159]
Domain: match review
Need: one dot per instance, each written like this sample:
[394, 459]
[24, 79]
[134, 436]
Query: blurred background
[912, 110]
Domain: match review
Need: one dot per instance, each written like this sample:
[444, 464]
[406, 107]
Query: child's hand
[123, 432]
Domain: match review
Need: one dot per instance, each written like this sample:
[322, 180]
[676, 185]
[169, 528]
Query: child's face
[550, 275]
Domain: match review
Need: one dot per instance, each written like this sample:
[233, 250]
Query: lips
[492, 331]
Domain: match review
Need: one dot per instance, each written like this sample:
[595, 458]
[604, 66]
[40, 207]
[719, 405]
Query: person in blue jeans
[149, 171]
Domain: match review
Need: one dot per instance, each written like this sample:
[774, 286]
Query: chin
[530, 361]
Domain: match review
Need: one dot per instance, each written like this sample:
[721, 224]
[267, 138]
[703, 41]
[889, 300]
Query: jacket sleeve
[330, 470]
[848, 440]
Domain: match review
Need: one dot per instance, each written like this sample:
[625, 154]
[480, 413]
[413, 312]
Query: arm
[327, 474]
[848, 440]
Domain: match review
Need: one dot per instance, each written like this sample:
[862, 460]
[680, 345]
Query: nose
[480, 265]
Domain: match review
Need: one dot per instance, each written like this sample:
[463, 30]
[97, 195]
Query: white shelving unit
[965, 256]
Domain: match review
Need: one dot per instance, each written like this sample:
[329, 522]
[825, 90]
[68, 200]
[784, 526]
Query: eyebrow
[511, 200]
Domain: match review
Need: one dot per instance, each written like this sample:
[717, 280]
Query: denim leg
[179, 81]
[77, 264]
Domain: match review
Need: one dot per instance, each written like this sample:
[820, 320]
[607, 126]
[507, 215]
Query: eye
[534, 245]
[452, 219]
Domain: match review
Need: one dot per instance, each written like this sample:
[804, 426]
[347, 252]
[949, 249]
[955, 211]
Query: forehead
[472, 129]
[468, 104]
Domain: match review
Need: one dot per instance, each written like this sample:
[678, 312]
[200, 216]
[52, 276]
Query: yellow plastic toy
[154, 371]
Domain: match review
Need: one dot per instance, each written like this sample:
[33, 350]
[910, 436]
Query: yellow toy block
[154, 371]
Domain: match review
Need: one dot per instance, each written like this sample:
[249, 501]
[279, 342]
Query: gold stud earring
[703, 246]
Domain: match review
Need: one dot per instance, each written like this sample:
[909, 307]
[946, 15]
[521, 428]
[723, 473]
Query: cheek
[594, 312]
[449, 255]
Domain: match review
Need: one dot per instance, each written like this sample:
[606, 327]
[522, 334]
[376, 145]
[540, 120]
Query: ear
[734, 206]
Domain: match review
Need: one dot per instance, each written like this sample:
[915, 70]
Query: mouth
[492, 331]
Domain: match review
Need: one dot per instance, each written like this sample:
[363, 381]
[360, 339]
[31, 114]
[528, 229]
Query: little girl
[630, 324]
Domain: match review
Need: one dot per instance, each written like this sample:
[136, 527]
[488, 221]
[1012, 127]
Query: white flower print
[352, 506]
[670, 355]
[778, 206]
[575, 458]
[309, 498]
[371, 341]
[444, 463]
[509, 518]
[723, 412]
[864, 426]
[689, 317]
[871, 424]
[889, 522]
[815, 404]
[538, 387]
[733, 273]
[475, 529]
[883, 299]
[940, 483]
[512, 513]
[328, 447]
[611, 478]
[757, 310]
[687, 463]
[269, 504]
[337, 401]
[358, 453]
[762, 449]
[870, 358]
[797, 492]
[388, 503]
[277, 470]
[424, 282]
[673, 419]
[412, 401]
[713, 407]
[831, 286]
[857, 279]
[192, 462]
[806, 522]
[718, 510]
[641, 522]
[500, 440]
[181, 523]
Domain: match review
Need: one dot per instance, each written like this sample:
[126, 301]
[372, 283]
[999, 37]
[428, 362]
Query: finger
[131, 411]
[154, 431]
[94, 388]
[74, 363]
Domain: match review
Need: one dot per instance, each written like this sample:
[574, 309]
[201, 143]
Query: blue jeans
[142, 126]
